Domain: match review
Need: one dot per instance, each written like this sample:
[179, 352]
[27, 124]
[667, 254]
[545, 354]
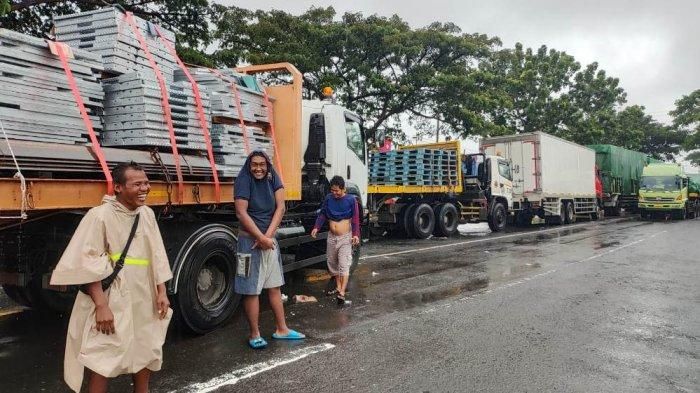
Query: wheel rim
[212, 282]
[448, 219]
[500, 217]
[424, 222]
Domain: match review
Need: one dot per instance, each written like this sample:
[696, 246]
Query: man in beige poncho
[120, 330]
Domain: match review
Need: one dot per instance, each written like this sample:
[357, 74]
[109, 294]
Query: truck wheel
[423, 220]
[205, 296]
[52, 302]
[446, 220]
[497, 218]
[616, 211]
[557, 220]
[407, 220]
[569, 214]
[19, 295]
[524, 218]
[678, 215]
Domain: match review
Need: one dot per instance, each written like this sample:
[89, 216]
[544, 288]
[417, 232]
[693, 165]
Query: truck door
[517, 168]
[355, 155]
[504, 181]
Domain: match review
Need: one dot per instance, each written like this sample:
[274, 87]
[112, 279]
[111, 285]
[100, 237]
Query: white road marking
[488, 239]
[612, 250]
[236, 376]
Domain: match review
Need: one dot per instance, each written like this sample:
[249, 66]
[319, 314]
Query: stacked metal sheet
[37, 159]
[223, 100]
[107, 33]
[228, 142]
[415, 167]
[134, 114]
[36, 103]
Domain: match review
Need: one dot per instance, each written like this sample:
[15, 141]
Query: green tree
[380, 66]
[185, 17]
[635, 129]
[686, 120]
[592, 102]
[694, 158]
[534, 82]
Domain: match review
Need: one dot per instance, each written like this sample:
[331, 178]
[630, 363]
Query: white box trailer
[552, 178]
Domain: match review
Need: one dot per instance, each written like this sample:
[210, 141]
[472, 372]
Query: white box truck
[552, 178]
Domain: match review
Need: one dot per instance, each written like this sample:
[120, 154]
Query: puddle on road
[601, 245]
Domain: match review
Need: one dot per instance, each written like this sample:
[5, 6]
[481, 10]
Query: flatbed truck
[513, 179]
[315, 140]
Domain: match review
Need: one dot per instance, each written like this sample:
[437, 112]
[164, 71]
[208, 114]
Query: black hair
[338, 181]
[119, 171]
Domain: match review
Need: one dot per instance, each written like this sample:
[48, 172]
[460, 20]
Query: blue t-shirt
[260, 195]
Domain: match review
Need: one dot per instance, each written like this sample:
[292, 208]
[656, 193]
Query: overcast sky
[652, 46]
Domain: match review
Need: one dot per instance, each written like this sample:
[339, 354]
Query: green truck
[620, 172]
[666, 190]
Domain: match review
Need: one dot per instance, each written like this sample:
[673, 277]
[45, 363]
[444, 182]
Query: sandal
[257, 343]
[291, 335]
[332, 292]
[342, 301]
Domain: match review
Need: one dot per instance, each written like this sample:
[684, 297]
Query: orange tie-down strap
[200, 113]
[237, 97]
[164, 102]
[270, 115]
[63, 52]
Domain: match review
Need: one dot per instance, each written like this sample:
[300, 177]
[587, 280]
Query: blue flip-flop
[292, 335]
[257, 343]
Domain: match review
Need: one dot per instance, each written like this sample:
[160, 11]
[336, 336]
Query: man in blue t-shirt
[259, 201]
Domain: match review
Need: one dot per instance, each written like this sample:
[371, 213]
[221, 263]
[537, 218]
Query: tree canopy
[391, 73]
[686, 121]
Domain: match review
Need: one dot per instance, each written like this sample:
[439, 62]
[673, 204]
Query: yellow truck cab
[664, 190]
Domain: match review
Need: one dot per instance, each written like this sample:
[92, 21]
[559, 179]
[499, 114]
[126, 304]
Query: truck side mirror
[316, 149]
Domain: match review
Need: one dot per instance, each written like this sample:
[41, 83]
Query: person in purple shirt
[343, 215]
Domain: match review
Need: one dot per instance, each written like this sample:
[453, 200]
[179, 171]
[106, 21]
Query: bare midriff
[340, 228]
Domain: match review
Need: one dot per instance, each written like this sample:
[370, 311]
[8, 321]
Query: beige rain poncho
[137, 343]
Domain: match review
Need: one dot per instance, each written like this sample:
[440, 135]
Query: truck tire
[423, 219]
[569, 214]
[497, 218]
[557, 220]
[643, 214]
[616, 211]
[19, 295]
[205, 297]
[523, 218]
[407, 220]
[50, 302]
[446, 220]
[678, 214]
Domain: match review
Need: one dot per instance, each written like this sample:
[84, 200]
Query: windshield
[354, 138]
[665, 183]
[471, 164]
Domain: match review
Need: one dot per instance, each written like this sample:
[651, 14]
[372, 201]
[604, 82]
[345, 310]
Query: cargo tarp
[621, 169]
[694, 184]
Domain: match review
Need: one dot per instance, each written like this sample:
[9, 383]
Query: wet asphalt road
[594, 307]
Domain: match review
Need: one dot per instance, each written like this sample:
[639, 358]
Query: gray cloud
[652, 46]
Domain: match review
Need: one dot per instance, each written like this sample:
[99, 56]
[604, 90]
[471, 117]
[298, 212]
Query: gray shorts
[339, 253]
[265, 268]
